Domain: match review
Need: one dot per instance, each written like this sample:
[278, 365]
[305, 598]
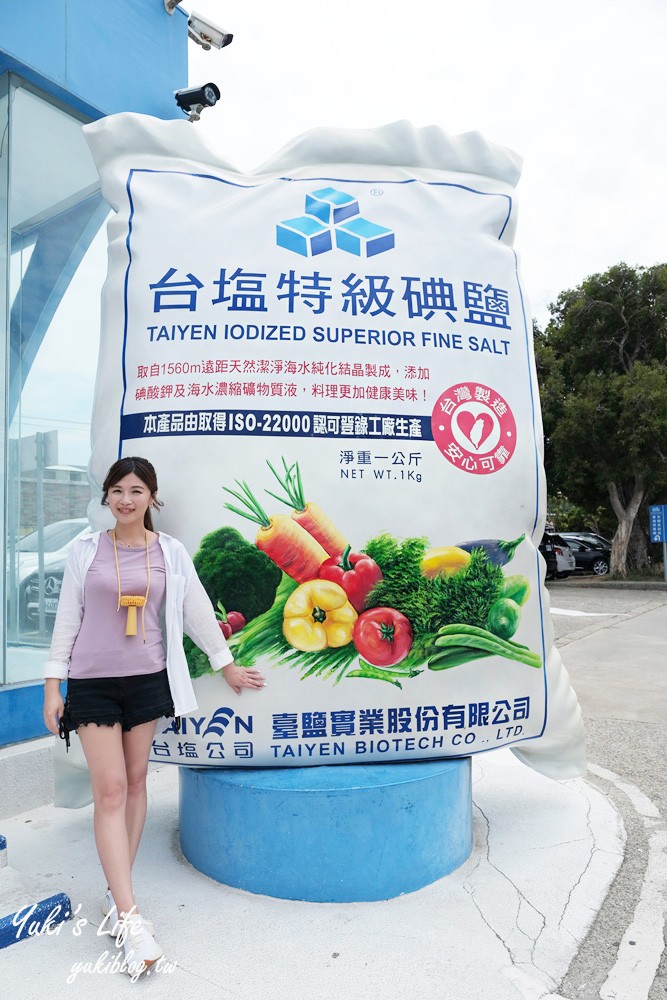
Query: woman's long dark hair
[141, 468]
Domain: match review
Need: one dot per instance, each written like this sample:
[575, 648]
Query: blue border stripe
[40, 916]
[126, 311]
[528, 333]
[343, 180]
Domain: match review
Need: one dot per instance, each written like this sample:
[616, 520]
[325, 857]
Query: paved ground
[562, 898]
[618, 666]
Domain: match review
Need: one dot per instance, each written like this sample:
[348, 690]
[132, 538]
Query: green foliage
[264, 635]
[603, 385]
[236, 573]
[568, 516]
[610, 322]
[198, 661]
[465, 597]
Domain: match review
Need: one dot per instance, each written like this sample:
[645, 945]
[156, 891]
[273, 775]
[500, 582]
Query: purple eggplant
[498, 551]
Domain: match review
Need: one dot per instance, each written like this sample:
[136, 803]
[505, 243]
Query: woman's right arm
[65, 630]
[53, 704]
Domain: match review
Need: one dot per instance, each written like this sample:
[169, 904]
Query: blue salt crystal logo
[333, 216]
[304, 235]
[363, 238]
[331, 206]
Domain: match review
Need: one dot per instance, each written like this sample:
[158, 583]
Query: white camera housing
[207, 34]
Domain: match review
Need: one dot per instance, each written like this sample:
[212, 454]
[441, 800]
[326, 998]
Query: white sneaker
[112, 924]
[141, 949]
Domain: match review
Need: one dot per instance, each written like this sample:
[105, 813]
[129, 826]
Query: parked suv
[588, 536]
[590, 557]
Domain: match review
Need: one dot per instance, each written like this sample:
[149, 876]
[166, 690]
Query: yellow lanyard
[132, 603]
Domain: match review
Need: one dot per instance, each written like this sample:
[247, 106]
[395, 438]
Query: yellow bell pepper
[318, 614]
[446, 561]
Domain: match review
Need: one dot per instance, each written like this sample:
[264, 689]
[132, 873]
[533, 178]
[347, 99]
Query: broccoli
[236, 573]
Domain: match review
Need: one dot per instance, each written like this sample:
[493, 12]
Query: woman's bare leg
[103, 747]
[136, 747]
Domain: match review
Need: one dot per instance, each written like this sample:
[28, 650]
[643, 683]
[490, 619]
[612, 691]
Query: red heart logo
[476, 428]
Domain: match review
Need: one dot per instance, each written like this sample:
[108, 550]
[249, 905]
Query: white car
[565, 561]
[58, 537]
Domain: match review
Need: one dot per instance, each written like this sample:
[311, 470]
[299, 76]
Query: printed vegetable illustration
[308, 515]
[236, 620]
[382, 613]
[503, 618]
[355, 572]
[317, 615]
[428, 603]
[457, 644]
[498, 551]
[382, 636]
[229, 621]
[289, 545]
[445, 561]
[516, 588]
[236, 573]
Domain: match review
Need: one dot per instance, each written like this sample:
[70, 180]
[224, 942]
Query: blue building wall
[21, 711]
[98, 56]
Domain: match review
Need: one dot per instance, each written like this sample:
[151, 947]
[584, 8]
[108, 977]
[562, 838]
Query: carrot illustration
[308, 515]
[284, 541]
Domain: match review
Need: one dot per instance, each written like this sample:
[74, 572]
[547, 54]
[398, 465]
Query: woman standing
[127, 597]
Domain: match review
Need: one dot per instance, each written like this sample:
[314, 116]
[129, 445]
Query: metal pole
[39, 449]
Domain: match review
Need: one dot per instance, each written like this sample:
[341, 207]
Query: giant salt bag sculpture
[329, 361]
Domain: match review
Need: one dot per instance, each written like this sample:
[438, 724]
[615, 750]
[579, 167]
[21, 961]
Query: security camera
[206, 34]
[193, 100]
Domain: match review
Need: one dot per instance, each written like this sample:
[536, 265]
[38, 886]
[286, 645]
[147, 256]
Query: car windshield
[56, 536]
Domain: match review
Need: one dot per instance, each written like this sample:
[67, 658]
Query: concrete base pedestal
[349, 833]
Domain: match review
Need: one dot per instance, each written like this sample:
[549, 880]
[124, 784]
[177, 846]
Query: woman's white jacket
[187, 609]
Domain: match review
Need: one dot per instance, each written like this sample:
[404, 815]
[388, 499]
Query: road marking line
[639, 953]
[587, 614]
[643, 805]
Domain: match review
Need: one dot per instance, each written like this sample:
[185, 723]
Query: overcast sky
[577, 88]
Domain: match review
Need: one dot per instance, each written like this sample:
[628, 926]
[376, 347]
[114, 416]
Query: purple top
[101, 648]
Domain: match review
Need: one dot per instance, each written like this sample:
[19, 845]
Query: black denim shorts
[129, 700]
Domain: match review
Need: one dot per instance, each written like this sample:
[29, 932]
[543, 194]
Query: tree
[602, 369]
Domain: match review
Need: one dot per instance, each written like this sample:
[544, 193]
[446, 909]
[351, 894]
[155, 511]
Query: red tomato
[236, 620]
[383, 636]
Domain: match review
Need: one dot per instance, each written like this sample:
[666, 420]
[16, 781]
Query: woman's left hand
[242, 677]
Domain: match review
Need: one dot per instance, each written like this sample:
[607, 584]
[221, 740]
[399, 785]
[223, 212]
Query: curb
[597, 583]
[34, 919]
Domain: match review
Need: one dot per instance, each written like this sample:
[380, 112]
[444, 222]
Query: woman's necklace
[132, 603]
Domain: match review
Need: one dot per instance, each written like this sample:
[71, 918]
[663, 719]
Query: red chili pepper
[355, 572]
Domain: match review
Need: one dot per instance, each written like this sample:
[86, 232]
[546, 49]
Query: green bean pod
[458, 629]
[454, 657]
[467, 630]
[383, 674]
[480, 639]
